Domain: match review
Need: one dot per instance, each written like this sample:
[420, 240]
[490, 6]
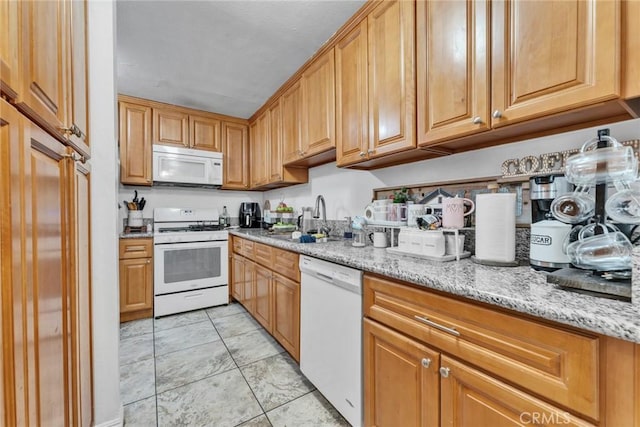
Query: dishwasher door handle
[324, 276]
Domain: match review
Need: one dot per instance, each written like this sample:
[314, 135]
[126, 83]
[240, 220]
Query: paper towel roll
[496, 227]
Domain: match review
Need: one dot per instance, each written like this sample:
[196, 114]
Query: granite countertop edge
[520, 289]
[136, 235]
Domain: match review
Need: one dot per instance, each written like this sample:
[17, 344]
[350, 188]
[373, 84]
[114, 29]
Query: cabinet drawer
[136, 248]
[248, 248]
[551, 362]
[286, 264]
[262, 254]
[236, 244]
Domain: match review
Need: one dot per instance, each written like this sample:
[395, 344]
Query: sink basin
[287, 237]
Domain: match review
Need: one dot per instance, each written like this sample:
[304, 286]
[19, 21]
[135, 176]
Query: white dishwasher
[331, 333]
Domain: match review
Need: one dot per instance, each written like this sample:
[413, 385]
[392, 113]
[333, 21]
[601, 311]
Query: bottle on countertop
[224, 218]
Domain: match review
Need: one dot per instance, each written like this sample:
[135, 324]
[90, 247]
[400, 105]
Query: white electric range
[190, 260]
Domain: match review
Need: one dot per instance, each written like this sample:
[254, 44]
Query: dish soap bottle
[224, 218]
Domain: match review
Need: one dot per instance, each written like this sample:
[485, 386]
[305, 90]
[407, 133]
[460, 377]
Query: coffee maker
[249, 215]
[547, 234]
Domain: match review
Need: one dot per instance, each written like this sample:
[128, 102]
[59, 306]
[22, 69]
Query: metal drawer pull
[426, 321]
[426, 362]
[444, 372]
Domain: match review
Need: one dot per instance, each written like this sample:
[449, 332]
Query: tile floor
[214, 368]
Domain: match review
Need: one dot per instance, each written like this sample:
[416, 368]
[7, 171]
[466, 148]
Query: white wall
[104, 244]
[347, 192]
[179, 197]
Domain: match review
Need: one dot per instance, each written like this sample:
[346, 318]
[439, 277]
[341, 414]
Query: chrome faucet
[325, 229]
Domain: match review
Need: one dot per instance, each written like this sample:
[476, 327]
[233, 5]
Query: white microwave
[184, 166]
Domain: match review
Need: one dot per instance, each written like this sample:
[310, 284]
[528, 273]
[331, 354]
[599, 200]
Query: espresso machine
[249, 215]
[547, 234]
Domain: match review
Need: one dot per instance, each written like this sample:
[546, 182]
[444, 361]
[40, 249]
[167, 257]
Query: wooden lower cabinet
[435, 360]
[286, 314]
[136, 279]
[401, 379]
[269, 289]
[263, 296]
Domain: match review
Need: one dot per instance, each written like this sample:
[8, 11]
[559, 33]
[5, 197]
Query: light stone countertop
[146, 235]
[521, 289]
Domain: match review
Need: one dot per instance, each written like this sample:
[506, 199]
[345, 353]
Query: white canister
[496, 227]
[546, 244]
[433, 243]
[135, 219]
[404, 239]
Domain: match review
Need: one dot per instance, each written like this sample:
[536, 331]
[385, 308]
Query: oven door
[186, 266]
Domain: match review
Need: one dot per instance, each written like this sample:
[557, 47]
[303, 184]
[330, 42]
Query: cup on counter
[450, 244]
[379, 239]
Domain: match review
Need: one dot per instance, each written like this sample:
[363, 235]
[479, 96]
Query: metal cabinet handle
[497, 114]
[371, 151]
[426, 321]
[75, 157]
[362, 154]
[72, 130]
[444, 372]
[477, 120]
[426, 362]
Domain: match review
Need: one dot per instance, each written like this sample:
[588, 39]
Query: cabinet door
[78, 114]
[318, 106]
[352, 109]
[275, 143]
[235, 148]
[469, 397]
[286, 314]
[136, 287]
[205, 133]
[453, 70]
[43, 66]
[248, 294]
[237, 277]
[135, 144]
[391, 47]
[402, 384]
[291, 123]
[552, 56]
[170, 128]
[80, 297]
[262, 290]
[9, 49]
[259, 150]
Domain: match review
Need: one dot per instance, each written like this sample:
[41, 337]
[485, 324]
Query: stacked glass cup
[600, 246]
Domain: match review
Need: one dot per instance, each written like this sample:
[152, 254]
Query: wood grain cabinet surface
[136, 279]
[205, 133]
[270, 289]
[45, 277]
[435, 360]
[235, 149]
[291, 101]
[171, 127]
[259, 137]
[136, 156]
[512, 62]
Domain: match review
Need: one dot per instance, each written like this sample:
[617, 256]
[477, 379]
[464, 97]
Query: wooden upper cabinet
[78, 119]
[9, 49]
[170, 127]
[135, 144]
[205, 133]
[235, 148]
[291, 102]
[453, 69]
[275, 143]
[318, 106]
[352, 109]
[259, 138]
[631, 49]
[391, 55]
[552, 56]
[43, 65]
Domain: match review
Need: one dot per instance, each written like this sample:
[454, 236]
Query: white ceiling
[227, 57]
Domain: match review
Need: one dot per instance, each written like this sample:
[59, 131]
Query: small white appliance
[546, 245]
[186, 167]
[190, 260]
[331, 333]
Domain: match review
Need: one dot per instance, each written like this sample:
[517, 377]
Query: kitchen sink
[287, 237]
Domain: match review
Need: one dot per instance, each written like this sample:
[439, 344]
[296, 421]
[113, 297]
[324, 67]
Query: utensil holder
[135, 219]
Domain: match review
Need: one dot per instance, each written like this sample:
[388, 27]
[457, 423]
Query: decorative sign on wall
[548, 163]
